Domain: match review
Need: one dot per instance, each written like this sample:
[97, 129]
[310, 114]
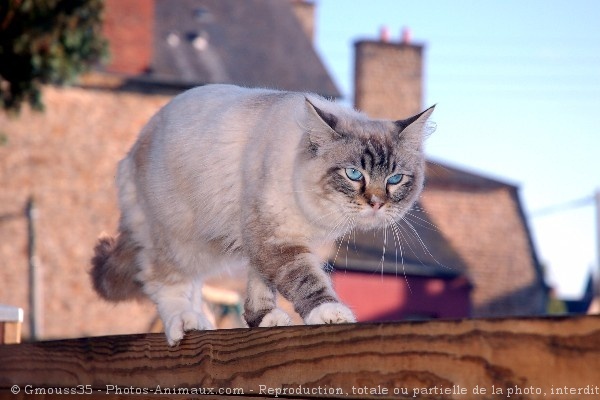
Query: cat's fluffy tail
[114, 268]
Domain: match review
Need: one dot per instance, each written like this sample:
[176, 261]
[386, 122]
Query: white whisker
[348, 232]
[423, 245]
[305, 191]
[425, 223]
[400, 230]
[313, 221]
[333, 235]
[383, 251]
[396, 234]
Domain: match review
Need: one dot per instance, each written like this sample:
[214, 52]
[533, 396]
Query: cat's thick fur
[226, 173]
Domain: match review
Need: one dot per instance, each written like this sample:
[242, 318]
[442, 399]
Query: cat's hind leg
[260, 308]
[180, 307]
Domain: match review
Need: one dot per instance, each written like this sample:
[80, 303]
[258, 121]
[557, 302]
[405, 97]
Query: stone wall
[485, 227]
[66, 159]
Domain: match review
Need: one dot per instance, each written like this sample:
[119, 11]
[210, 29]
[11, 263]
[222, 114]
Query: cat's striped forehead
[376, 156]
[375, 145]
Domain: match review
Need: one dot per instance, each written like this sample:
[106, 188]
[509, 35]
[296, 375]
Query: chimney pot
[384, 34]
[406, 35]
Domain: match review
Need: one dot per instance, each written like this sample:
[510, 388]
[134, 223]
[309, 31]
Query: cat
[224, 173]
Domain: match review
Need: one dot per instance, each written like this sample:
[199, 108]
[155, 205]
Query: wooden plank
[528, 358]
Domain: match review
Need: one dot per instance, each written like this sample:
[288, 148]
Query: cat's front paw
[275, 317]
[330, 313]
[177, 325]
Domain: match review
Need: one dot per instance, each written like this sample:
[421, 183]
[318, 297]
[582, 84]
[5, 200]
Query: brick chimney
[388, 77]
[128, 26]
[305, 12]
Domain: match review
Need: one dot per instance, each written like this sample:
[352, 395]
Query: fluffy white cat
[226, 173]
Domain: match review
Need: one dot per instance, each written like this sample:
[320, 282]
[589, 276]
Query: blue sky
[517, 85]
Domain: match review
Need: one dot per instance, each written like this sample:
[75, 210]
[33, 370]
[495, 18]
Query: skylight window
[173, 39]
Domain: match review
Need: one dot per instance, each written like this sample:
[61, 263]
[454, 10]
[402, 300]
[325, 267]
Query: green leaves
[46, 41]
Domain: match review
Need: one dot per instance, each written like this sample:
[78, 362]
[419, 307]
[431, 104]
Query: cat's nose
[376, 203]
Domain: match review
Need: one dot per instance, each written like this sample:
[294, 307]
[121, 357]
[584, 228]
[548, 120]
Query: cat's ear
[322, 128]
[328, 119]
[415, 129]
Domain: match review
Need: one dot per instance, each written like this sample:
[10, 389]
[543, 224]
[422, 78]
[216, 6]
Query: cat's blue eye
[354, 174]
[395, 179]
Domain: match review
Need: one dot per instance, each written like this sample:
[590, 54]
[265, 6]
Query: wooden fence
[529, 358]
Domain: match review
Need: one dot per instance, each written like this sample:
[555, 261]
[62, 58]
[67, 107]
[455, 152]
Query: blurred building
[481, 234]
[583, 304]
[468, 251]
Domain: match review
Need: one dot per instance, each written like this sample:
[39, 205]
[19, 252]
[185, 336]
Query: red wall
[377, 297]
[128, 26]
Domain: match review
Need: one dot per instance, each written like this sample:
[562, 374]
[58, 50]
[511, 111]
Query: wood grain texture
[357, 361]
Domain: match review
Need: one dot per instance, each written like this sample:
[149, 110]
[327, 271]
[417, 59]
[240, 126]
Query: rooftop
[208, 41]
